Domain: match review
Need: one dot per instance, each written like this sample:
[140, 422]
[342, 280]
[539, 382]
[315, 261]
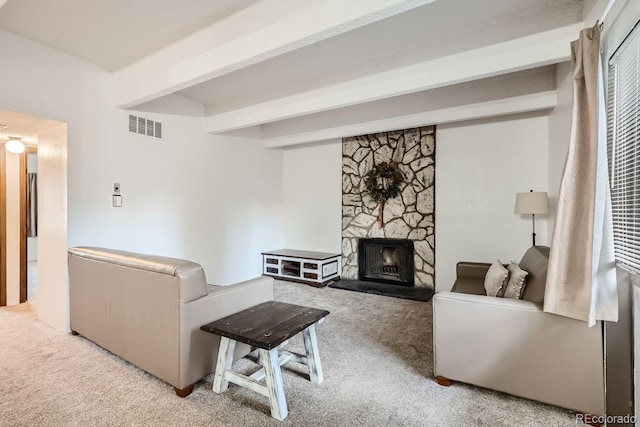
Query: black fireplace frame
[405, 244]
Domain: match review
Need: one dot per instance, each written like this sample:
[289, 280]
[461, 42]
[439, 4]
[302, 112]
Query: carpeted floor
[376, 355]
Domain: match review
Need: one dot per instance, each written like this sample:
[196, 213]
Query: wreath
[382, 183]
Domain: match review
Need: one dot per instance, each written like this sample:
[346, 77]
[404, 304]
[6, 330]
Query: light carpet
[376, 354]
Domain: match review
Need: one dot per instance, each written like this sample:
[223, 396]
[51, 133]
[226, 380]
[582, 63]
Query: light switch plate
[117, 201]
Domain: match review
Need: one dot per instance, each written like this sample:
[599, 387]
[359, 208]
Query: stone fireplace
[410, 216]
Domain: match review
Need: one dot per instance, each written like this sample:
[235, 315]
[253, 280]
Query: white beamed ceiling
[291, 72]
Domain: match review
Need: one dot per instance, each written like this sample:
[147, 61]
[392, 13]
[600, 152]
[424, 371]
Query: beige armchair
[513, 346]
[148, 310]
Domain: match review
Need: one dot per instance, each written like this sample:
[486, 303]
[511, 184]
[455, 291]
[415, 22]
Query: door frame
[3, 227]
[23, 220]
[23, 226]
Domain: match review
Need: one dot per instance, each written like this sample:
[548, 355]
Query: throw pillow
[496, 279]
[516, 284]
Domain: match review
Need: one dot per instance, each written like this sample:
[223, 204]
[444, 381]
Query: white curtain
[581, 282]
[604, 284]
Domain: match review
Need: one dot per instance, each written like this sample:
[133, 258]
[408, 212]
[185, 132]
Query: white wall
[480, 166]
[53, 295]
[312, 182]
[213, 200]
[210, 199]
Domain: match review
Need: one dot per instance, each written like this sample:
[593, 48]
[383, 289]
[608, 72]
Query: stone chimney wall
[411, 215]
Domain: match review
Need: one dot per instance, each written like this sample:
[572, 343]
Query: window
[623, 144]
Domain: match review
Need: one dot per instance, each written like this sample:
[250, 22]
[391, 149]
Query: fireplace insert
[387, 261]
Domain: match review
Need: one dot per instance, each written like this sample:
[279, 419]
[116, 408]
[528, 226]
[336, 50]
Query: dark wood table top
[266, 325]
[294, 253]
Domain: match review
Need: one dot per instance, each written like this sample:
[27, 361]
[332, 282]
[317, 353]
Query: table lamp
[532, 203]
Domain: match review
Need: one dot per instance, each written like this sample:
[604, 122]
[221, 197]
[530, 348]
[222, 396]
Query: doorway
[18, 225]
[31, 212]
[50, 137]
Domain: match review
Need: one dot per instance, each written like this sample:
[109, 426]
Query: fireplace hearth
[388, 261]
[386, 267]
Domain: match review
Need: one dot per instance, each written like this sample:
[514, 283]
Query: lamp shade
[532, 202]
[14, 145]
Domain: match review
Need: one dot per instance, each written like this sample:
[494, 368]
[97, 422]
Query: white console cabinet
[313, 268]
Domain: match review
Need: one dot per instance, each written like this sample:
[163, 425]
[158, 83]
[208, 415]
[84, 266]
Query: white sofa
[149, 309]
[513, 346]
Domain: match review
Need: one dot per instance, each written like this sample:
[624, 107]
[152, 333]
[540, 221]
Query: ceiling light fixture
[14, 145]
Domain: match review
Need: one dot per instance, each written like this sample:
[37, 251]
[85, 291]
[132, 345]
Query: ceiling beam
[202, 56]
[514, 105]
[537, 50]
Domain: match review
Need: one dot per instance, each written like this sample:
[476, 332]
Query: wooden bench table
[267, 326]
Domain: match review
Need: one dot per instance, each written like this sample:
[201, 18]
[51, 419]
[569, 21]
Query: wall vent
[143, 126]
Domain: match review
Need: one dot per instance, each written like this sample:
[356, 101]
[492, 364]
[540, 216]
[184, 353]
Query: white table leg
[313, 355]
[225, 360]
[275, 388]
